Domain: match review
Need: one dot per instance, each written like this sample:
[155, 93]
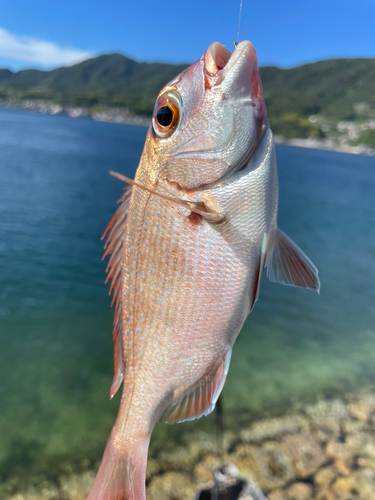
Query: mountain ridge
[333, 90]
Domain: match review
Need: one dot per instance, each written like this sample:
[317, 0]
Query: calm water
[56, 198]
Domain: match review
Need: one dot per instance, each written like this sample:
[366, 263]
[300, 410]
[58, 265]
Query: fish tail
[122, 472]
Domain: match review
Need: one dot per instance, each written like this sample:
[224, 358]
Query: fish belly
[186, 296]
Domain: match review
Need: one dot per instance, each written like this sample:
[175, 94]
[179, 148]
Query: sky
[46, 34]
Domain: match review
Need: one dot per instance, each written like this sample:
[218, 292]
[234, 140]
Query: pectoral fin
[201, 399]
[288, 265]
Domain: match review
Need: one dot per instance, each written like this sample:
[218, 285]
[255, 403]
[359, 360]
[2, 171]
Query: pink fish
[188, 247]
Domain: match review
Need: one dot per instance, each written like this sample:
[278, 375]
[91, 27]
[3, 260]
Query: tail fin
[122, 473]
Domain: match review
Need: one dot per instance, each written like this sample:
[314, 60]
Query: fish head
[208, 120]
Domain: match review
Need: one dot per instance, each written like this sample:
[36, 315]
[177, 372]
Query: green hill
[334, 90]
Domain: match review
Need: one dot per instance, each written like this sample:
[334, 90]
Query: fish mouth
[216, 58]
[219, 62]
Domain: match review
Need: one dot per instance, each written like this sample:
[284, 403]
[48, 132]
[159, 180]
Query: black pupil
[164, 116]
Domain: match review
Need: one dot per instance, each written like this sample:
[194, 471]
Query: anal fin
[288, 264]
[202, 399]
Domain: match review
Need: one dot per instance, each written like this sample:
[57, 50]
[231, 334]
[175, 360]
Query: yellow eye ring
[166, 115]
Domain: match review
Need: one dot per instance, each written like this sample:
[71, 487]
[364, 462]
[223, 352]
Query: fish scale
[189, 245]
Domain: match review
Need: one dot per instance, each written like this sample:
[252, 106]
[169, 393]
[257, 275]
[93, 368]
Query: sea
[56, 355]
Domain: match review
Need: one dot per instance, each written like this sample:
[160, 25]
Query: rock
[300, 491]
[269, 465]
[325, 429]
[343, 485]
[368, 463]
[278, 495]
[273, 429]
[204, 471]
[361, 444]
[33, 494]
[178, 459]
[200, 444]
[363, 483]
[153, 468]
[326, 419]
[327, 494]
[334, 409]
[171, 486]
[362, 406]
[361, 410]
[77, 486]
[339, 450]
[305, 453]
[324, 477]
[355, 426]
[343, 467]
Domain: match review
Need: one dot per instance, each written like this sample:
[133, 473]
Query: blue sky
[46, 34]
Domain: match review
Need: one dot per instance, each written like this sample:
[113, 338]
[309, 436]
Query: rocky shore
[324, 451]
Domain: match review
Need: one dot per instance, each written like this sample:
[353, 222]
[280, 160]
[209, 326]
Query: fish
[188, 246]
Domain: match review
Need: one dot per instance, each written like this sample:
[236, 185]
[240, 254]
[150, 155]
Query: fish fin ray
[198, 402]
[121, 475]
[254, 290]
[114, 247]
[289, 265]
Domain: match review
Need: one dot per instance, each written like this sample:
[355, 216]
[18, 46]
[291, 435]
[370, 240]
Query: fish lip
[219, 61]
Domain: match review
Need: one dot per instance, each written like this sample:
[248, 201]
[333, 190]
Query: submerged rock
[171, 486]
[305, 453]
[77, 486]
[273, 429]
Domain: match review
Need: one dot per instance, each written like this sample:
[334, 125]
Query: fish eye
[166, 115]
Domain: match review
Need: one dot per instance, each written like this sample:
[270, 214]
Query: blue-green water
[56, 198]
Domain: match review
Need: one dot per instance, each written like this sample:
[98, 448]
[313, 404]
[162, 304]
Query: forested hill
[333, 90]
[113, 80]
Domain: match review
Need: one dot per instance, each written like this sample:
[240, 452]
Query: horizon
[47, 35]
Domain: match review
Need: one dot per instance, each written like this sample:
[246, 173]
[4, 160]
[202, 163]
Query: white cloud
[40, 52]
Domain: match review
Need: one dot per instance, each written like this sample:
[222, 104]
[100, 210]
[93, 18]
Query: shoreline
[121, 116]
[326, 145]
[320, 451]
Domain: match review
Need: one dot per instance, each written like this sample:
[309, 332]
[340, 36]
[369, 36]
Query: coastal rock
[326, 419]
[362, 445]
[305, 453]
[278, 495]
[339, 450]
[366, 463]
[324, 477]
[363, 483]
[335, 409]
[269, 466]
[204, 470]
[200, 444]
[344, 468]
[343, 486]
[153, 468]
[355, 426]
[171, 486]
[178, 459]
[362, 407]
[273, 429]
[300, 491]
[32, 494]
[77, 486]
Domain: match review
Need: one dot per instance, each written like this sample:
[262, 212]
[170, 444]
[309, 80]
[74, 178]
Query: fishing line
[239, 25]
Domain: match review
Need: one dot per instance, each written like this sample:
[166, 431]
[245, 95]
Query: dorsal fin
[114, 247]
[288, 265]
[202, 399]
